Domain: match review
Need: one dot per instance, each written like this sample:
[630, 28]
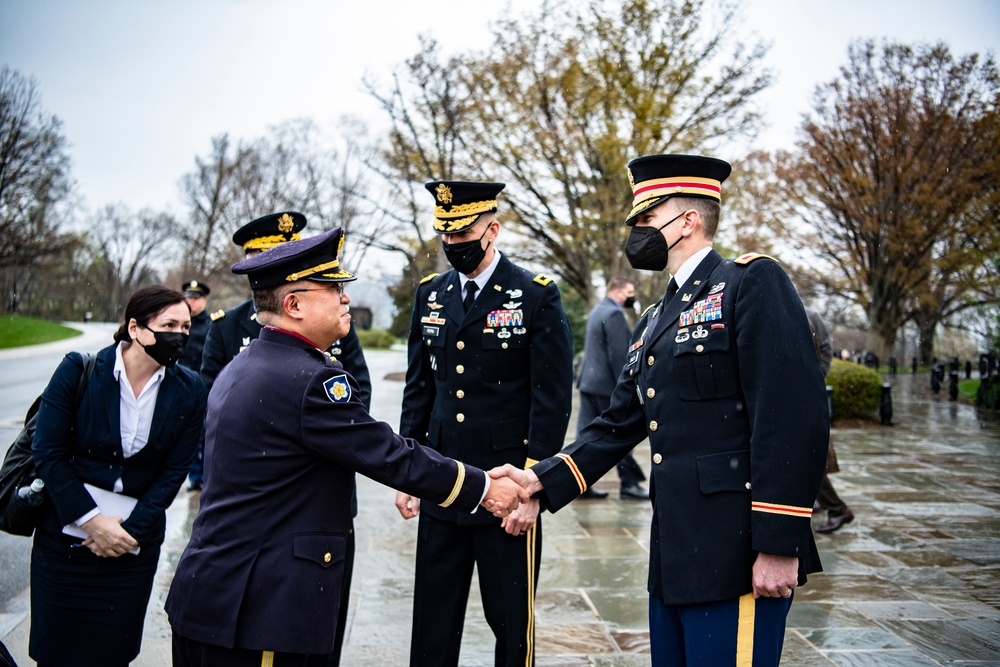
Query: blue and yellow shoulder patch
[751, 256]
[218, 315]
[542, 279]
[427, 278]
[338, 389]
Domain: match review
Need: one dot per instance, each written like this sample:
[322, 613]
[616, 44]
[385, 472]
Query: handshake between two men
[508, 498]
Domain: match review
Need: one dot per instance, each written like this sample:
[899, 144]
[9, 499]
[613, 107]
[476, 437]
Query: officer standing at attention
[196, 295]
[259, 581]
[233, 329]
[723, 378]
[489, 382]
[604, 355]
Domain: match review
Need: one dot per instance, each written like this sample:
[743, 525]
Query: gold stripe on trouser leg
[530, 538]
[267, 659]
[744, 631]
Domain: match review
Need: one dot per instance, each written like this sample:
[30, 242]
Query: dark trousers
[740, 631]
[191, 653]
[591, 407]
[508, 574]
[828, 498]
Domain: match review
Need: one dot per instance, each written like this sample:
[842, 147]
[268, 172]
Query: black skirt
[87, 610]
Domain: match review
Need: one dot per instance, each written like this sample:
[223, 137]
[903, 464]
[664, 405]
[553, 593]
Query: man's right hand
[504, 496]
[407, 505]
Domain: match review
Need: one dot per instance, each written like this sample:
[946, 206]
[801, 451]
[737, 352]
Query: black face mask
[646, 249]
[629, 302]
[466, 257]
[167, 348]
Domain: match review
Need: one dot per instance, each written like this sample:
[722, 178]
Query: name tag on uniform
[432, 331]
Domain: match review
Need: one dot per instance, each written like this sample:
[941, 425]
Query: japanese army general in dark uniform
[489, 382]
[259, 581]
[723, 379]
[233, 329]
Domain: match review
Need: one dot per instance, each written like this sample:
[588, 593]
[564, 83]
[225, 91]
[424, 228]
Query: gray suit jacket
[605, 349]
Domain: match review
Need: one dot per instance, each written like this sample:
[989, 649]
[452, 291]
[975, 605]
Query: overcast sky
[142, 87]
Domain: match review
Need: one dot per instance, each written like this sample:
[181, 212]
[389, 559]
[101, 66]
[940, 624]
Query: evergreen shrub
[857, 390]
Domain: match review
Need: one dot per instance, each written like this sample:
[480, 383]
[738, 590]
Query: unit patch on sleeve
[338, 389]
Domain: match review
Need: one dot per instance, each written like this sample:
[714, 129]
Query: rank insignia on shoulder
[751, 256]
[218, 315]
[427, 278]
[338, 389]
[542, 280]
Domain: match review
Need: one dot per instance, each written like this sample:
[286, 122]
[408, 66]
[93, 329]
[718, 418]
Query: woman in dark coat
[134, 436]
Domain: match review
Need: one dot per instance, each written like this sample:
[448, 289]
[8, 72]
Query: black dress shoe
[596, 494]
[836, 521]
[634, 492]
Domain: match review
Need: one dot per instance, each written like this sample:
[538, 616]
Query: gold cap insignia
[285, 224]
[443, 193]
[631, 181]
[340, 246]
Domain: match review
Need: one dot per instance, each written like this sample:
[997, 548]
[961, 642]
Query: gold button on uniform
[653, 426]
[657, 458]
[460, 417]
[460, 369]
[459, 394]
[327, 557]
[650, 360]
[504, 346]
[460, 345]
[650, 393]
[699, 348]
[748, 486]
[526, 442]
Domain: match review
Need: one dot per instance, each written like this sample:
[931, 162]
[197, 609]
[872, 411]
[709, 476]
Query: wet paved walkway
[914, 580]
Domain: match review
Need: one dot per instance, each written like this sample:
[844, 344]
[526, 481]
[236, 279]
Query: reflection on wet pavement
[914, 580]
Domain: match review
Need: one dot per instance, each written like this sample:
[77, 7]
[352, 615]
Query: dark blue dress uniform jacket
[232, 330]
[285, 435]
[94, 455]
[733, 401]
[493, 386]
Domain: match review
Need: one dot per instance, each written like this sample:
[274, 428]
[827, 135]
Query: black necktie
[671, 291]
[470, 294]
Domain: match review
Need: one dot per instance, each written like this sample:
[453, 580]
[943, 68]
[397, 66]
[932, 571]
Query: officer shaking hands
[722, 377]
[489, 382]
[259, 581]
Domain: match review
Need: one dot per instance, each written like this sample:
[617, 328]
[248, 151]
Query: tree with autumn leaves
[897, 177]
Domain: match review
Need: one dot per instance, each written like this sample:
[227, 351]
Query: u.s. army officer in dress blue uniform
[260, 577]
[489, 383]
[723, 378]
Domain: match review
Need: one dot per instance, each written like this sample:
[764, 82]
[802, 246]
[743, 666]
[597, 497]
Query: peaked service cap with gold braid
[270, 230]
[314, 258]
[195, 288]
[657, 178]
[461, 203]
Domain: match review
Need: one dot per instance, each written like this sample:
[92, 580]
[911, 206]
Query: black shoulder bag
[19, 469]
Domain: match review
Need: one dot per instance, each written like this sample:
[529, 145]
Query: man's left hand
[522, 519]
[775, 576]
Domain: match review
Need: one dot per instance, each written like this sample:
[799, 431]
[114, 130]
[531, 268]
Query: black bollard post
[829, 399]
[885, 409]
[936, 373]
[892, 365]
[968, 369]
[953, 385]
[913, 366]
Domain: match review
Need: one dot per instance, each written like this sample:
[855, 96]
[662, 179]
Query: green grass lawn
[968, 389]
[17, 331]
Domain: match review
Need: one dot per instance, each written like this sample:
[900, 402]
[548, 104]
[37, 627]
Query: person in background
[838, 514]
[131, 441]
[604, 354]
[259, 581]
[489, 381]
[722, 377]
[196, 294]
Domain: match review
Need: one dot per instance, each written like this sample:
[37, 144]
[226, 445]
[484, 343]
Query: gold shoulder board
[426, 278]
[751, 256]
[542, 280]
[218, 315]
